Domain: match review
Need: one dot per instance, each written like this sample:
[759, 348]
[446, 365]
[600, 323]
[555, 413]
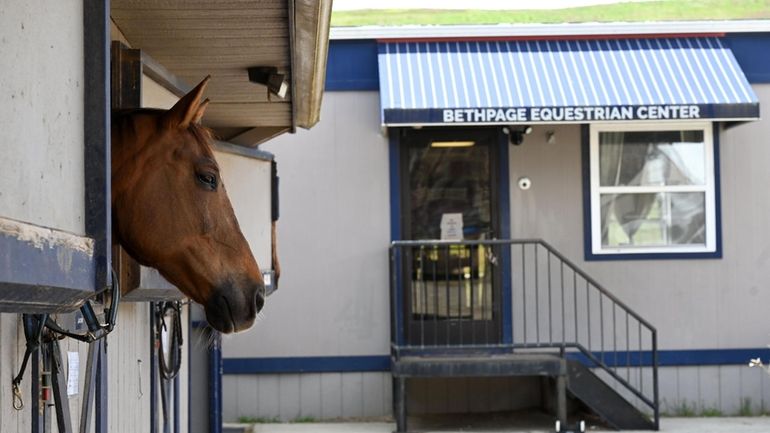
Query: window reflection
[656, 219]
[449, 180]
[648, 158]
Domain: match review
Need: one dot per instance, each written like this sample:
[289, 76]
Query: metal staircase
[519, 307]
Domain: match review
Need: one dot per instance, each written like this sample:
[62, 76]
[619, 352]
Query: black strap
[33, 332]
[169, 372]
[35, 324]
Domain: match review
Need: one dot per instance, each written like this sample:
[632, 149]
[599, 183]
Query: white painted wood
[310, 395]
[352, 395]
[289, 396]
[42, 175]
[230, 400]
[688, 387]
[709, 387]
[373, 395]
[247, 388]
[751, 388]
[268, 397]
[730, 389]
[669, 390]
[331, 395]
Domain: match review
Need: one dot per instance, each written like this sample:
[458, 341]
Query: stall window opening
[652, 189]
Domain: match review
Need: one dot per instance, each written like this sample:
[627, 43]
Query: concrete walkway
[669, 425]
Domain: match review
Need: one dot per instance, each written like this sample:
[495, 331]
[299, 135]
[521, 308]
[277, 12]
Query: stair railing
[518, 295]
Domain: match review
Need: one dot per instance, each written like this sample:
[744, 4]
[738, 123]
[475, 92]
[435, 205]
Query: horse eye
[209, 180]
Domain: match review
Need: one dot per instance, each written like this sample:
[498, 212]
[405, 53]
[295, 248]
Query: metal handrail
[400, 250]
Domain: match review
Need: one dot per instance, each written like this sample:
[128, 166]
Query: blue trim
[97, 130]
[504, 115]
[36, 278]
[588, 239]
[309, 364]
[504, 203]
[716, 131]
[394, 159]
[585, 158]
[351, 364]
[679, 358]
[189, 372]
[409, 94]
[352, 65]
[215, 383]
[153, 369]
[749, 50]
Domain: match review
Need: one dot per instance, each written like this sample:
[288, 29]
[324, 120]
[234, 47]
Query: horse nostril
[260, 298]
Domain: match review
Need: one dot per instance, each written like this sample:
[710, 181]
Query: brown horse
[171, 212]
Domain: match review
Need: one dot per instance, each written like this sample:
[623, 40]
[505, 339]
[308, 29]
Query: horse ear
[201, 109]
[187, 109]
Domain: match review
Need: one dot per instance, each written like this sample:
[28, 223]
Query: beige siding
[332, 239]
[317, 395]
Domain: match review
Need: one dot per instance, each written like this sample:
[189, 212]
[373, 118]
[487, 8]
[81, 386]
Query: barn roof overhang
[195, 38]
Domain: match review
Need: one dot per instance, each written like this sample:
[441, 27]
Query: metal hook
[18, 403]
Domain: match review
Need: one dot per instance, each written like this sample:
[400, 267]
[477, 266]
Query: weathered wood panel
[42, 167]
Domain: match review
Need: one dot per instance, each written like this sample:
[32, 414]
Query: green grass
[663, 10]
[711, 412]
[258, 420]
[745, 409]
[274, 420]
[684, 409]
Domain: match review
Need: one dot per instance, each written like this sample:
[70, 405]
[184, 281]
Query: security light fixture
[468, 143]
[516, 136]
[268, 76]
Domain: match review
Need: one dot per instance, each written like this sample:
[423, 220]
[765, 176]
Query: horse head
[171, 211]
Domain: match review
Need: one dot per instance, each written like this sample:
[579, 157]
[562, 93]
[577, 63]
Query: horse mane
[201, 133]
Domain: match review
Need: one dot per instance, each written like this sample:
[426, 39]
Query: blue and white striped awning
[562, 81]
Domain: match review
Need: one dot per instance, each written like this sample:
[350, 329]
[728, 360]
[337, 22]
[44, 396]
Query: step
[604, 400]
[479, 365]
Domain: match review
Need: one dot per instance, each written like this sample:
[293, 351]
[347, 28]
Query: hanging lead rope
[35, 324]
[170, 350]
[33, 331]
[170, 363]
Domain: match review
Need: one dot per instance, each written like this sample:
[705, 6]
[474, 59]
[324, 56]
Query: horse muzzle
[233, 309]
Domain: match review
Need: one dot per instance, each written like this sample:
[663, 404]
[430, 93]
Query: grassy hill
[662, 10]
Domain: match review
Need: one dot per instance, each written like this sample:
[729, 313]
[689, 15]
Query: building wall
[704, 298]
[338, 173]
[42, 168]
[247, 181]
[128, 346]
[42, 114]
[332, 239]
[288, 397]
[333, 293]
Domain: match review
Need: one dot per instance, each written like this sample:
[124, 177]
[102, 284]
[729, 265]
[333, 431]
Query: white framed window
[652, 188]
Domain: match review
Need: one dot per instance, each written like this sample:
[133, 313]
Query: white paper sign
[73, 367]
[452, 227]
